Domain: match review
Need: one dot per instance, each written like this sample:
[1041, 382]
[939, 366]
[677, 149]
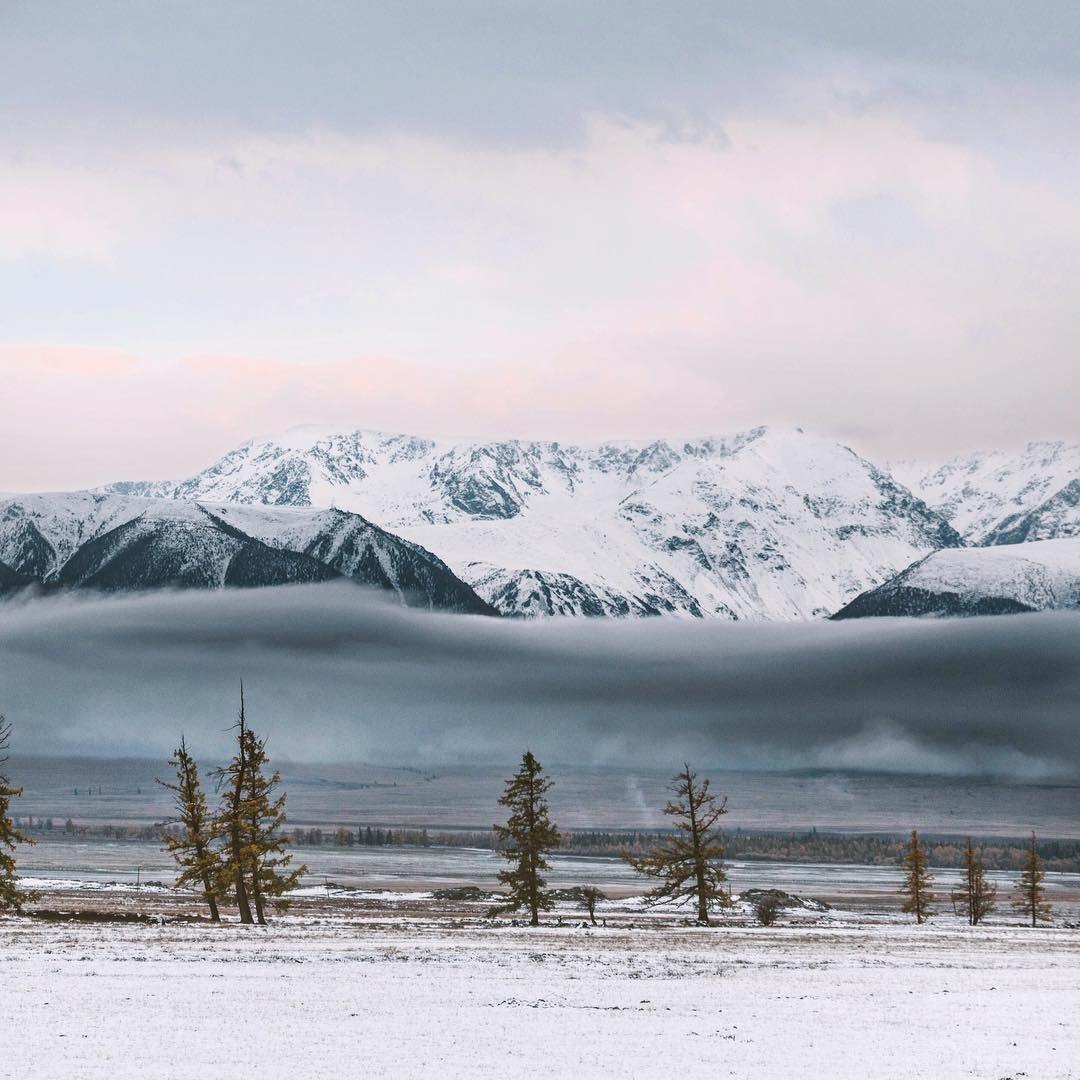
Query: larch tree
[689, 865]
[977, 895]
[265, 839]
[12, 898]
[527, 837]
[918, 881]
[1030, 897]
[229, 825]
[193, 848]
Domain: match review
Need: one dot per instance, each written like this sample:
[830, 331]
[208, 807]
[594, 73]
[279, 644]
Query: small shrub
[767, 908]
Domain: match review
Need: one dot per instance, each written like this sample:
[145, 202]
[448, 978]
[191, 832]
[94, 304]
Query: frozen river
[129, 862]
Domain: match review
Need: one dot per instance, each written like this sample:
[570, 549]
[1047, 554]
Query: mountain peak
[769, 522]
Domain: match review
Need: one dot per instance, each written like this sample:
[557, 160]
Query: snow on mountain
[121, 543]
[768, 523]
[355, 548]
[1037, 576]
[1002, 497]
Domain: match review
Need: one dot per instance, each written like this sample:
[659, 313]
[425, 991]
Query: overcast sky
[339, 673]
[578, 220]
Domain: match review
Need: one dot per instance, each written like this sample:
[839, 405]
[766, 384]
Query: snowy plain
[391, 988]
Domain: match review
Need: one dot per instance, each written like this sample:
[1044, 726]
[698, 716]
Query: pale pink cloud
[78, 417]
[84, 362]
[629, 286]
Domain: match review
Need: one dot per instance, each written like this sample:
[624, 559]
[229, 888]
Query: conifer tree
[230, 823]
[978, 895]
[689, 864]
[528, 835]
[199, 862]
[265, 839]
[918, 880]
[1030, 898]
[12, 898]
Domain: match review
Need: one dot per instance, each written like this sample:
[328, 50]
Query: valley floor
[396, 985]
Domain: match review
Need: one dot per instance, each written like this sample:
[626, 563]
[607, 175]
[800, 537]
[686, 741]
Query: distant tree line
[1058, 856]
[360, 836]
[869, 849]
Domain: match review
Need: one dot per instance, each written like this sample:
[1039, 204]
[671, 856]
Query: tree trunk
[208, 890]
[256, 890]
[699, 864]
[211, 901]
[534, 898]
[242, 898]
[237, 854]
[234, 830]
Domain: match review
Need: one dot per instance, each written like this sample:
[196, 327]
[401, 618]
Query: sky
[573, 220]
[338, 673]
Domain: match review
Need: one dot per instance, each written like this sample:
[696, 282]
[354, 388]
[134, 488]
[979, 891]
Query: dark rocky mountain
[11, 579]
[124, 543]
[1002, 580]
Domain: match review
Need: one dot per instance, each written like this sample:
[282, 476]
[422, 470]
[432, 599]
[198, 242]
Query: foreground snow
[394, 991]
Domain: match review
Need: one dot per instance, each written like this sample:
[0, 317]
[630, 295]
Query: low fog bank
[333, 672]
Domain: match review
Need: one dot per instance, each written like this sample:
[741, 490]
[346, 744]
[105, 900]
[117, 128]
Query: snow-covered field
[382, 987]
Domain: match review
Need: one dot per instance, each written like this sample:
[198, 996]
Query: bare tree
[690, 863]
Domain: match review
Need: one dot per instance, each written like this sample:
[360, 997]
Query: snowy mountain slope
[1002, 497]
[768, 523]
[355, 548]
[115, 542]
[1037, 576]
[186, 550]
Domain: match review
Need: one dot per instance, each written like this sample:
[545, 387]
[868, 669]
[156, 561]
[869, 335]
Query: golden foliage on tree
[689, 865]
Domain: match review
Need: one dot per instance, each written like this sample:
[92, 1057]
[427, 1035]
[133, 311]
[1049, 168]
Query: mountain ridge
[765, 523]
[995, 497]
[1042, 575]
[128, 543]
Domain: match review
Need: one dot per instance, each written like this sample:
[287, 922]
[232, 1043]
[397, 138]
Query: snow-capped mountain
[120, 543]
[768, 523]
[1039, 576]
[1002, 497]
